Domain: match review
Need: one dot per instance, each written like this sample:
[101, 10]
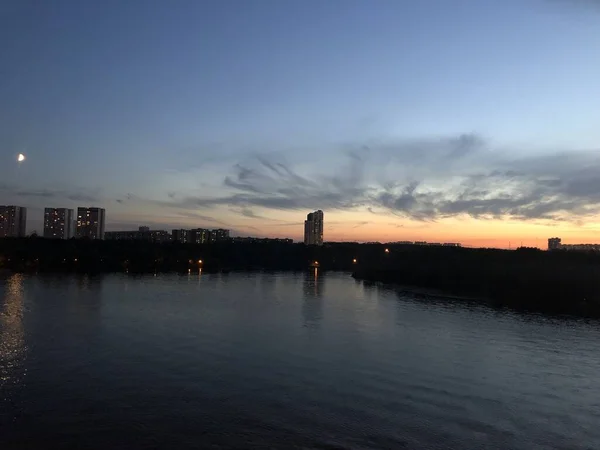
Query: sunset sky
[472, 121]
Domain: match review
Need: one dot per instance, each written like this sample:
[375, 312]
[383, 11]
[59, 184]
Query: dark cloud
[44, 193]
[201, 217]
[545, 187]
[247, 212]
[360, 224]
[424, 180]
[58, 194]
[82, 198]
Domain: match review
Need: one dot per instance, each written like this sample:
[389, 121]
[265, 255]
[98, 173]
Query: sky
[472, 121]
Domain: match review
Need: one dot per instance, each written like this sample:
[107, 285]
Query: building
[199, 236]
[143, 234]
[156, 236]
[219, 235]
[580, 247]
[59, 223]
[90, 223]
[182, 236]
[13, 221]
[122, 235]
[313, 228]
[257, 240]
[554, 243]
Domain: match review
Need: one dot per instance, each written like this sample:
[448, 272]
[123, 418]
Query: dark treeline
[44, 255]
[558, 282]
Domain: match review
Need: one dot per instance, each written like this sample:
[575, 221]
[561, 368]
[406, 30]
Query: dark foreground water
[284, 361]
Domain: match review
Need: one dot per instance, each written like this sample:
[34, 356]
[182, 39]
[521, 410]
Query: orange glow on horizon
[364, 226]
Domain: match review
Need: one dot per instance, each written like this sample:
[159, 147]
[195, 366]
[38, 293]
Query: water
[284, 361]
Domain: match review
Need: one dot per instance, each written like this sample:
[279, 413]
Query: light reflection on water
[285, 360]
[13, 350]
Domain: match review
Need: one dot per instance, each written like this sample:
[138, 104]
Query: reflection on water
[285, 360]
[12, 343]
[312, 306]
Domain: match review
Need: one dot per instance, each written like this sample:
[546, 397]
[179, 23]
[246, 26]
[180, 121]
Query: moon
[21, 157]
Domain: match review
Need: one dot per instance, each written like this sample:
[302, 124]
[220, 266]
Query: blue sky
[165, 112]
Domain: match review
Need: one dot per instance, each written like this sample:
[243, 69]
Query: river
[284, 360]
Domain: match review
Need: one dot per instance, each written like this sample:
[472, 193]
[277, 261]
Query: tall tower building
[59, 223]
[554, 243]
[90, 223]
[13, 221]
[313, 228]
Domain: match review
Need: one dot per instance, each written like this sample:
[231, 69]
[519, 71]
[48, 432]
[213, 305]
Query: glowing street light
[21, 157]
[199, 261]
[354, 260]
[387, 250]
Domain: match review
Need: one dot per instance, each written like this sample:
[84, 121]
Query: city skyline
[90, 222]
[416, 121]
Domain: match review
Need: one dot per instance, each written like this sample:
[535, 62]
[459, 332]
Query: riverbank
[541, 282]
[557, 282]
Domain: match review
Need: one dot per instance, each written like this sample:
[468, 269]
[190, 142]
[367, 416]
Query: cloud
[201, 217]
[44, 193]
[425, 180]
[247, 212]
[552, 187]
[89, 198]
[58, 194]
[360, 224]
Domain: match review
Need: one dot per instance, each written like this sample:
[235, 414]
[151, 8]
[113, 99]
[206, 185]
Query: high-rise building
[182, 236]
[90, 223]
[219, 235]
[199, 236]
[13, 221]
[59, 223]
[313, 228]
[554, 243]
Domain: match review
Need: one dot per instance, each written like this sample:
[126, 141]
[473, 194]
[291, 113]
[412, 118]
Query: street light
[354, 261]
[387, 250]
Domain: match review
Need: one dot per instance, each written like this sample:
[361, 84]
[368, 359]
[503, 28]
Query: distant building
[122, 235]
[239, 239]
[182, 236]
[143, 234]
[313, 228]
[581, 247]
[554, 243]
[199, 236]
[219, 235]
[59, 223]
[13, 221]
[157, 235]
[90, 223]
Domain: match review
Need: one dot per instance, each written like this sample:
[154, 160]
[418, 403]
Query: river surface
[284, 360]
